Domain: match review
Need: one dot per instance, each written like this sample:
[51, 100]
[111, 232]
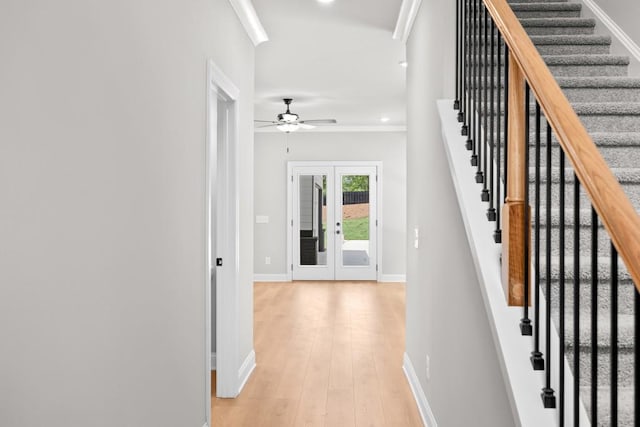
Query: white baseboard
[246, 369]
[418, 393]
[270, 278]
[393, 278]
[213, 361]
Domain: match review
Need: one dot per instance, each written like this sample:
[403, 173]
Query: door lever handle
[337, 231]
[338, 224]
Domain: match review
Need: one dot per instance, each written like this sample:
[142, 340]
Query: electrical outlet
[267, 260]
[428, 368]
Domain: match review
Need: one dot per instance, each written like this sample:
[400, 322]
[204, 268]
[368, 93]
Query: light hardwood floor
[328, 354]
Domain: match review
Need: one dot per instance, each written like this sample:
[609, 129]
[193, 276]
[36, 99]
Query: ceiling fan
[289, 122]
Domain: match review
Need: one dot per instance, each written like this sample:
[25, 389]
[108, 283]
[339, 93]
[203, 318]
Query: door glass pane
[355, 220]
[313, 219]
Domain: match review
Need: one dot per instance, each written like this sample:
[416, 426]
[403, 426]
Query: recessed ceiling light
[403, 64]
[384, 119]
[325, 1]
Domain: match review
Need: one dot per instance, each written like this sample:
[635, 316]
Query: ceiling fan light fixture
[288, 117]
[288, 127]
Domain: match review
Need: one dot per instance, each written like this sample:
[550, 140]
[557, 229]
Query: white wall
[271, 188]
[625, 13]
[446, 318]
[102, 148]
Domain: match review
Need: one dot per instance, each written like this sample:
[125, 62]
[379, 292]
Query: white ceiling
[335, 60]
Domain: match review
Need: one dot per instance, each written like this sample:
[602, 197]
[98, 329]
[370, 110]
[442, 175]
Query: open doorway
[222, 232]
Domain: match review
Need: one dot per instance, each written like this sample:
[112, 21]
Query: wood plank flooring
[328, 354]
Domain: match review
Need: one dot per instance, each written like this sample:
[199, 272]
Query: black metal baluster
[461, 65]
[576, 301]
[614, 336]
[491, 212]
[456, 102]
[594, 316]
[464, 131]
[525, 322]
[485, 68]
[497, 235]
[472, 83]
[548, 397]
[476, 85]
[476, 159]
[561, 295]
[537, 361]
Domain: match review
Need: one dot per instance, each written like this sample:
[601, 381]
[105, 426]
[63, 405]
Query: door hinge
[376, 222]
[291, 178]
[292, 223]
[376, 267]
[291, 267]
[376, 178]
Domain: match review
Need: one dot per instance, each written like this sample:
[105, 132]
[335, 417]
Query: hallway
[328, 354]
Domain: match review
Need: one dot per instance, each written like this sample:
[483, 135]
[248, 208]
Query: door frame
[226, 245]
[335, 163]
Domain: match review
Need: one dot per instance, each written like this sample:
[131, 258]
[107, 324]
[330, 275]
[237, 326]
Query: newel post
[514, 210]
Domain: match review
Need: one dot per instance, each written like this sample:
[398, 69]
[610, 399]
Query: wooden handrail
[616, 212]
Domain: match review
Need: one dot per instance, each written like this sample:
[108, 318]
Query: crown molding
[334, 129]
[250, 21]
[408, 11]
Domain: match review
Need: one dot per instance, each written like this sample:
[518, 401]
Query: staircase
[607, 101]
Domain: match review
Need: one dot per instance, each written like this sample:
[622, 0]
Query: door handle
[338, 224]
[337, 231]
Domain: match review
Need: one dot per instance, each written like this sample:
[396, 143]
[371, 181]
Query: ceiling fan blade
[266, 126]
[319, 121]
[265, 121]
[305, 126]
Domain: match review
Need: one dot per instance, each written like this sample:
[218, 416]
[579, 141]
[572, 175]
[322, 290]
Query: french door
[334, 222]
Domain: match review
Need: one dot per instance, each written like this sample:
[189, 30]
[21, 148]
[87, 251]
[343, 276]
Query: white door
[313, 235]
[334, 222]
[356, 223]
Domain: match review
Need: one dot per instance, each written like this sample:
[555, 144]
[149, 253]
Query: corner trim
[393, 278]
[249, 20]
[271, 278]
[408, 12]
[428, 419]
[213, 361]
[617, 32]
[246, 369]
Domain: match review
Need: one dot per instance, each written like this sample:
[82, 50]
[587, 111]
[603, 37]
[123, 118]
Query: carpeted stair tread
[552, 6]
[599, 82]
[626, 139]
[601, 139]
[558, 22]
[604, 266]
[547, 10]
[625, 405]
[513, 2]
[625, 332]
[624, 175]
[586, 59]
[606, 108]
[568, 39]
